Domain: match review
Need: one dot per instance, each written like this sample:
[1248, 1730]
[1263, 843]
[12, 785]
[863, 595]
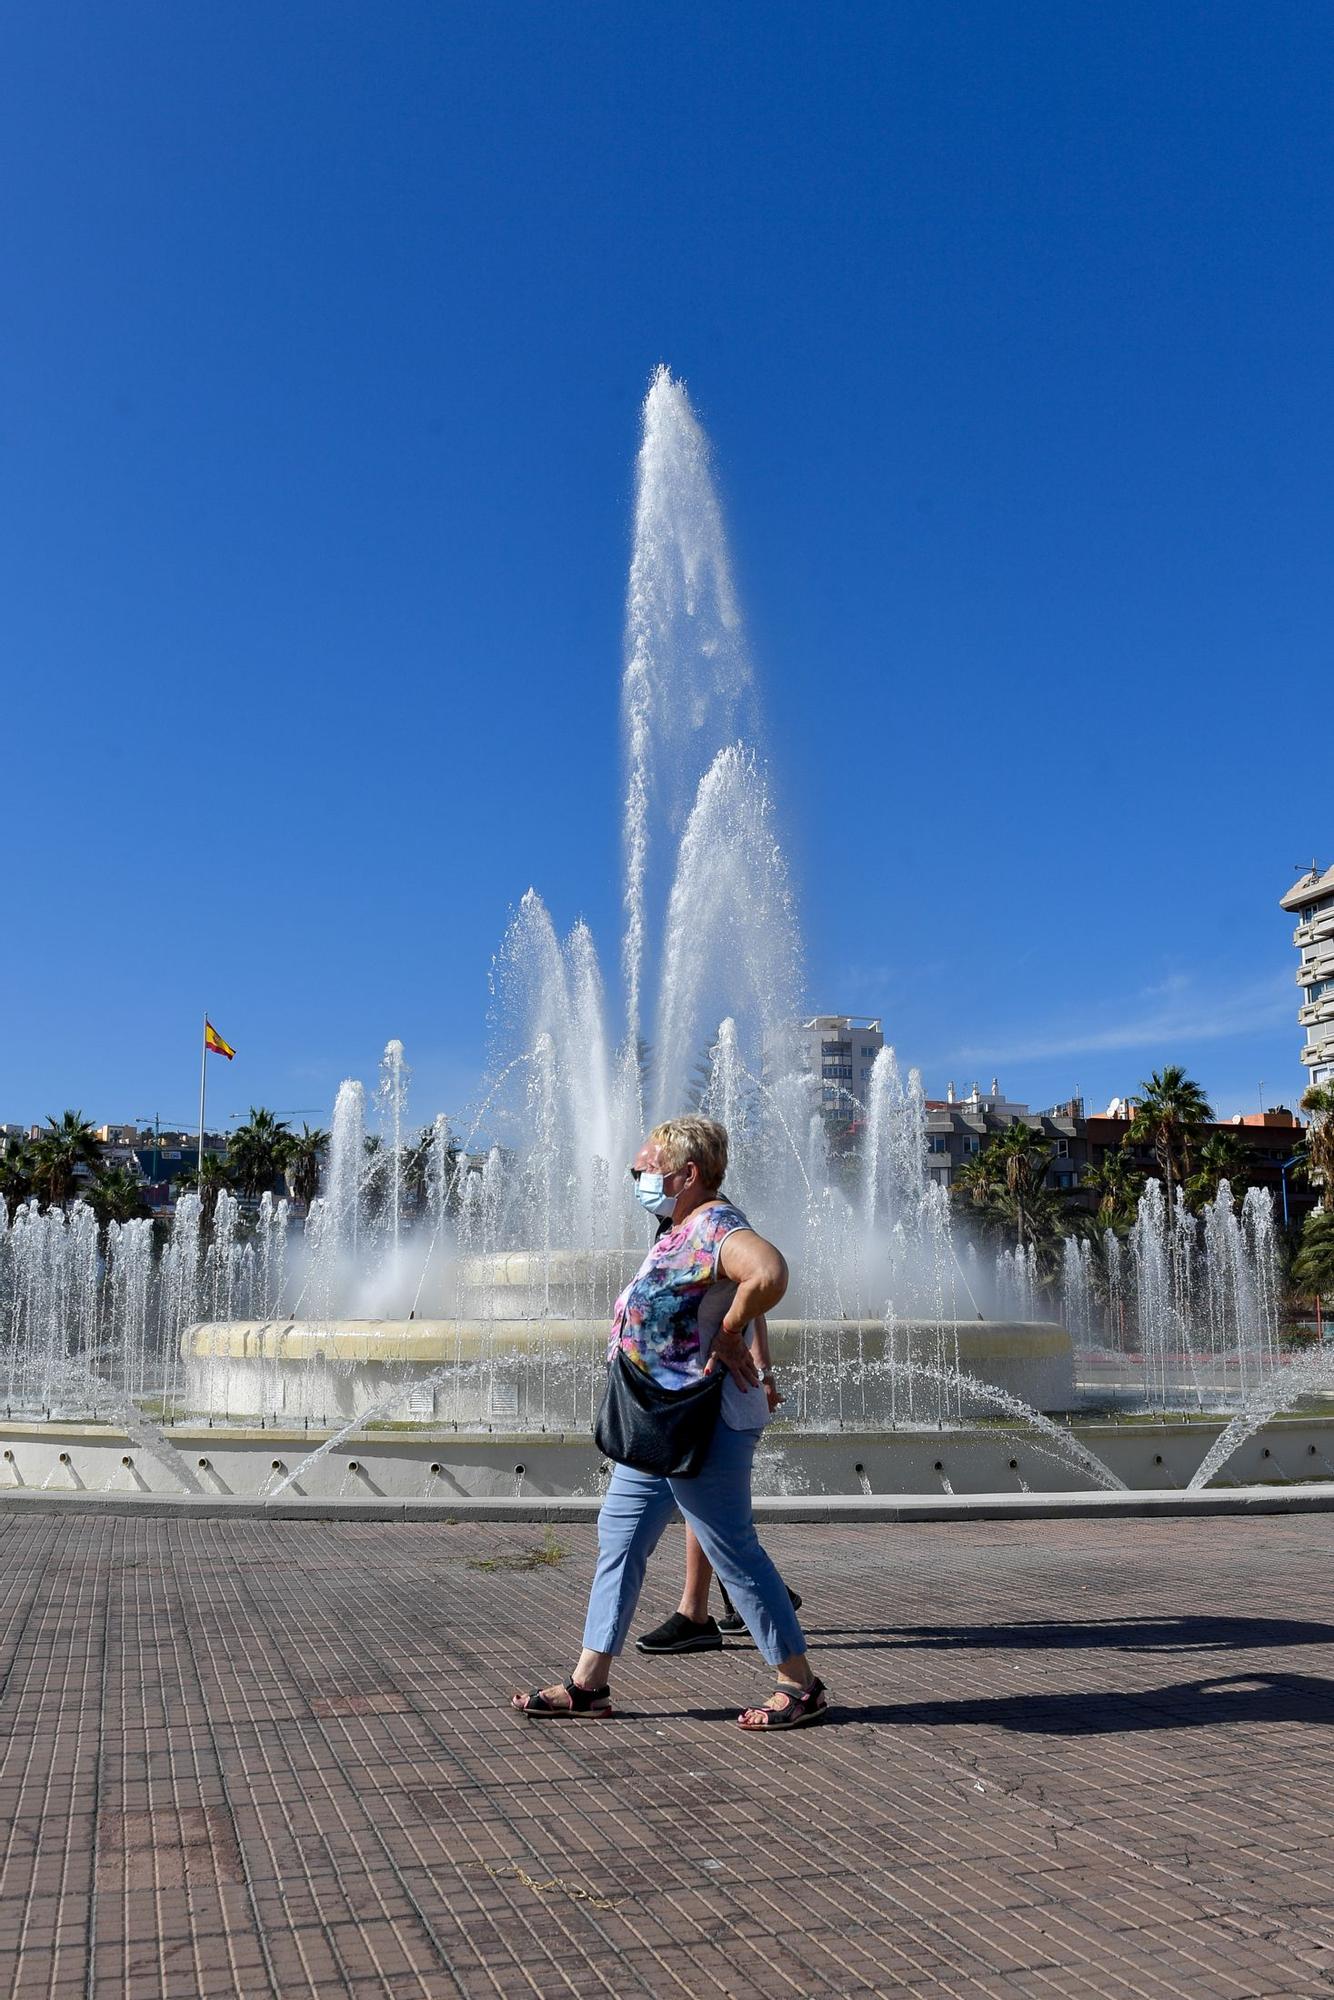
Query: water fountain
[462, 1284]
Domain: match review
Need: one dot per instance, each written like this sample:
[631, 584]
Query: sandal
[586, 1704]
[798, 1707]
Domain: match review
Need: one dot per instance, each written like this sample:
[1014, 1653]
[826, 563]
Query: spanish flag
[214, 1043]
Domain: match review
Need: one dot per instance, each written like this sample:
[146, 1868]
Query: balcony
[1314, 929]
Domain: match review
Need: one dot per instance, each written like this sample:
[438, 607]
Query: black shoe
[734, 1622]
[678, 1634]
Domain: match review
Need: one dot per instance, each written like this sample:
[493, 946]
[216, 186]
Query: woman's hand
[759, 1340]
[730, 1351]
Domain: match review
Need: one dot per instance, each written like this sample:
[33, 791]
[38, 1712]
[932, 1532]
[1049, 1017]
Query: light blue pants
[716, 1504]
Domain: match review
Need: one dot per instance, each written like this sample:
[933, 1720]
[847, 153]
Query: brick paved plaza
[1070, 1758]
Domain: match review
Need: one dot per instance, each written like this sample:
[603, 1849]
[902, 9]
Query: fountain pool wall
[547, 1375]
[432, 1465]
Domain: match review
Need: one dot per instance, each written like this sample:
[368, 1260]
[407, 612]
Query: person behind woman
[690, 1629]
[687, 1313]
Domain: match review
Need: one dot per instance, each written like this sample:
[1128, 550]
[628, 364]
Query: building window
[870, 1054]
[831, 1095]
[1065, 1180]
[836, 1048]
[842, 1071]
[1062, 1149]
[972, 1144]
[939, 1143]
[941, 1176]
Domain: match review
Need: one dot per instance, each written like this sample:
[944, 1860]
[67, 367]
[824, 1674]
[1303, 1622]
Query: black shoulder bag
[666, 1431]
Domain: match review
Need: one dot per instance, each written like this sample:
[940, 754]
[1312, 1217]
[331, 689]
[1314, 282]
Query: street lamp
[1283, 1175]
[142, 1120]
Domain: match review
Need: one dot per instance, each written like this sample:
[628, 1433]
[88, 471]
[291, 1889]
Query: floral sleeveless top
[666, 1317]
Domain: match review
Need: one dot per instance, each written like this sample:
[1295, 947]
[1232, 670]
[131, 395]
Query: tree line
[264, 1156]
[65, 1163]
[1004, 1189]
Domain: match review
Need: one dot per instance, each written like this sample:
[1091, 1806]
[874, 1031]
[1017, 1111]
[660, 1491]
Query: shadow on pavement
[1128, 1635]
[1201, 1704]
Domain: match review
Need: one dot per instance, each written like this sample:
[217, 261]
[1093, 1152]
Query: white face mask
[649, 1195]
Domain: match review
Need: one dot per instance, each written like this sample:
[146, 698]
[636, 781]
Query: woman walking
[686, 1314]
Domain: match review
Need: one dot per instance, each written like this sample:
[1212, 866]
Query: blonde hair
[691, 1137]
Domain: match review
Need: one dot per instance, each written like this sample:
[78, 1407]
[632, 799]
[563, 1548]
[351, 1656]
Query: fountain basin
[433, 1465]
[547, 1374]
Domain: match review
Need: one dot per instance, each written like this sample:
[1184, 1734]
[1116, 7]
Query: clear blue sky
[324, 334]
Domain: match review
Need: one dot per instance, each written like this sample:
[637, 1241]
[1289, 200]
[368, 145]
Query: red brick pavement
[273, 1758]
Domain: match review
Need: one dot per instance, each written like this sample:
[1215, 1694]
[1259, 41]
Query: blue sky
[325, 332]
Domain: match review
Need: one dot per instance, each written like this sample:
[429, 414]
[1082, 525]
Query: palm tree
[257, 1152]
[1222, 1157]
[1171, 1110]
[416, 1168]
[1005, 1179]
[1313, 1266]
[118, 1196]
[1319, 1101]
[1022, 1157]
[16, 1170]
[1116, 1184]
[303, 1163]
[67, 1144]
[1005, 1185]
[208, 1179]
[375, 1174]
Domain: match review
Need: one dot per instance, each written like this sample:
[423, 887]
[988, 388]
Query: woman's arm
[759, 1273]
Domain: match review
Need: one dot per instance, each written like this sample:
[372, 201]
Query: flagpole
[203, 1078]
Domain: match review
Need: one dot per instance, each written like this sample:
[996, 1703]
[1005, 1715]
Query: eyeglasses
[669, 1175]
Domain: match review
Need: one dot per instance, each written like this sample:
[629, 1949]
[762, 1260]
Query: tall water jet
[346, 1176]
[1077, 1289]
[551, 1006]
[728, 1098]
[686, 684]
[392, 1096]
[731, 939]
[439, 1176]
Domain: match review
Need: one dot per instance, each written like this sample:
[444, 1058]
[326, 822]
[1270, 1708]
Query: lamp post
[1283, 1176]
[157, 1129]
[157, 1132]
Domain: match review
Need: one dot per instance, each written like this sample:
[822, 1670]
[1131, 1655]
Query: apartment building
[1311, 901]
[839, 1050]
[959, 1128]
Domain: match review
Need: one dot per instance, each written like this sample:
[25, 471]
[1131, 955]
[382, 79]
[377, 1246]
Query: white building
[1312, 902]
[839, 1050]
